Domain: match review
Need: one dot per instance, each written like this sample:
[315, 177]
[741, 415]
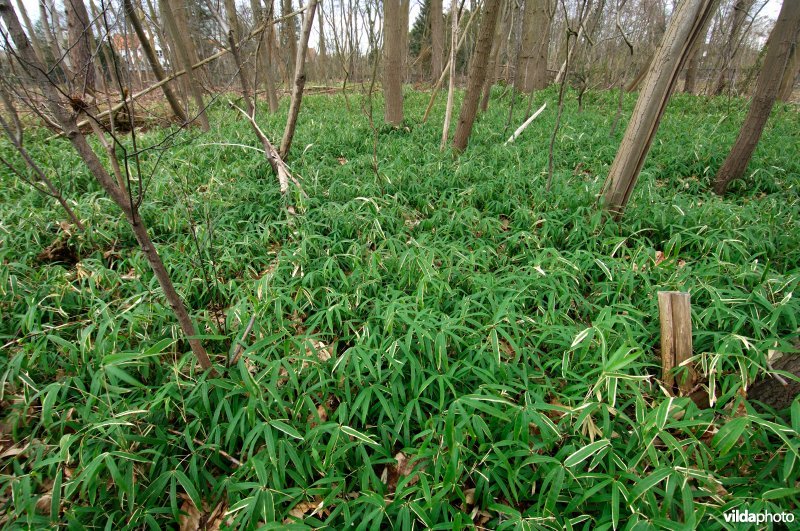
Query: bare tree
[684, 29]
[437, 39]
[535, 39]
[733, 35]
[393, 52]
[152, 58]
[782, 40]
[289, 37]
[789, 77]
[125, 200]
[491, 72]
[476, 75]
[80, 45]
[451, 90]
[299, 79]
[264, 54]
[182, 44]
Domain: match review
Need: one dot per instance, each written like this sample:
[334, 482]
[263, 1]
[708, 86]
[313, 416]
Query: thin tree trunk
[120, 197]
[790, 76]
[264, 61]
[80, 44]
[493, 58]
[740, 10]
[299, 80]
[231, 27]
[393, 61]
[451, 89]
[684, 29]
[783, 38]
[477, 75]
[322, 52]
[690, 81]
[535, 46]
[437, 39]
[181, 43]
[35, 42]
[289, 37]
[152, 58]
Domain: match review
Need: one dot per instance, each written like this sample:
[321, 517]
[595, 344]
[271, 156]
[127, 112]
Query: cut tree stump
[675, 313]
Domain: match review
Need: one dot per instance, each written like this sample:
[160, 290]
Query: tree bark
[80, 45]
[289, 37]
[477, 75]
[738, 16]
[448, 112]
[783, 38]
[37, 45]
[493, 60]
[158, 70]
[690, 81]
[437, 39]
[535, 44]
[129, 207]
[393, 61]
[262, 16]
[176, 27]
[299, 80]
[684, 29]
[790, 76]
[233, 34]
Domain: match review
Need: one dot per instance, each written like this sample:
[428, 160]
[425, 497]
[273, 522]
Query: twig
[521, 128]
[237, 351]
[235, 462]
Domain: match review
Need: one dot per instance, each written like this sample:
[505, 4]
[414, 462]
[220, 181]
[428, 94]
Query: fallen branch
[273, 157]
[180, 73]
[521, 128]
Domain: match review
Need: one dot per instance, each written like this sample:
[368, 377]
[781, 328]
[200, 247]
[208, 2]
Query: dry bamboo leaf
[43, 504]
[190, 517]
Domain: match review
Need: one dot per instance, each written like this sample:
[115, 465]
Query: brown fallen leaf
[43, 504]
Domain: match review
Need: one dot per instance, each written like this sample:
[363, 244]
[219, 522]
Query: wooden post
[675, 313]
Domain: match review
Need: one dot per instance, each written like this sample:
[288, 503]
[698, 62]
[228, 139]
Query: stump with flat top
[675, 313]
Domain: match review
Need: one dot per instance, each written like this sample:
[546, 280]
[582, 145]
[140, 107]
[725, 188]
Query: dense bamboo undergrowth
[439, 345]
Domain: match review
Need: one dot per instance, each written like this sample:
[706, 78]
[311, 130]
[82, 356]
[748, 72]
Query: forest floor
[436, 341]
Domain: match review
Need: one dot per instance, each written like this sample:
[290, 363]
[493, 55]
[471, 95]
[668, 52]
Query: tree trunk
[393, 61]
[477, 74]
[158, 70]
[183, 50]
[448, 111]
[233, 35]
[535, 44]
[690, 81]
[120, 196]
[80, 45]
[322, 52]
[299, 80]
[437, 39]
[738, 16]
[289, 37]
[780, 43]
[790, 76]
[37, 45]
[684, 29]
[264, 62]
[493, 60]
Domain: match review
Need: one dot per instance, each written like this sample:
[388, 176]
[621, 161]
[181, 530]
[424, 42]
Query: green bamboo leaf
[285, 428]
[585, 453]
[347, 430]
